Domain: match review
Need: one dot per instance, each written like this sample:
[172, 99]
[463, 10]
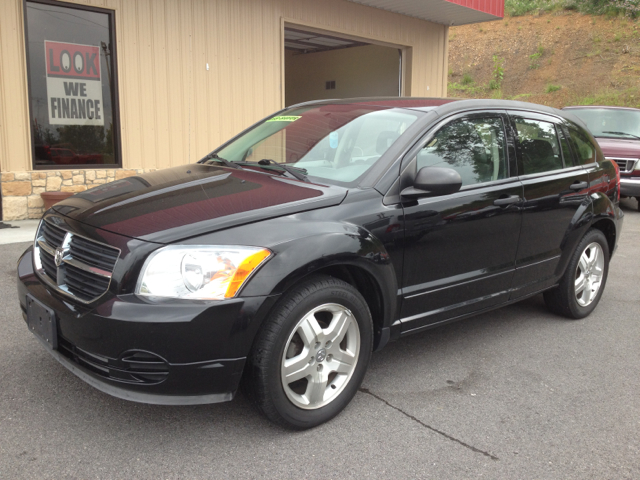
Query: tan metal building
[96, 90]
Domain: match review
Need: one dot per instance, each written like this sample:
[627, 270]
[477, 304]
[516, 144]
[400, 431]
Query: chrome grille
[92, 253]
[54, 236]
[73, 265]
[626, 164]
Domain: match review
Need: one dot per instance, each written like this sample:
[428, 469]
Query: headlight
[199, 272]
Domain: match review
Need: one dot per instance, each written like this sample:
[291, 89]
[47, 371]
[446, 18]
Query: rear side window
[474, 147]
[538, 146]
[585, 150]
[566, 151]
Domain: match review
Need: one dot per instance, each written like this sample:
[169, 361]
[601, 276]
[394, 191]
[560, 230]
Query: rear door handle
[579, 185]
[502, 201]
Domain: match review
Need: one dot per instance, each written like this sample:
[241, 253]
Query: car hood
[612, 147]
[177, 203]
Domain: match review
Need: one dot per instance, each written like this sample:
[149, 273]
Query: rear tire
[583, 283]
[311, 354]
[638, 200]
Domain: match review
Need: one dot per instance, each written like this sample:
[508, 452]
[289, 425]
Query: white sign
[74, 84]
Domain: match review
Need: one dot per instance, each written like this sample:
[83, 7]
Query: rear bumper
[160, 352]
[630, 187]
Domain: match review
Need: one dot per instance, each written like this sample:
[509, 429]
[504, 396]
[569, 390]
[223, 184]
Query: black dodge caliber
[289, 254]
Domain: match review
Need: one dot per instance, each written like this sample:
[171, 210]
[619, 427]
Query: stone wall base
[21, 190]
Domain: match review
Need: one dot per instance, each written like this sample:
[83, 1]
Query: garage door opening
[320, 66]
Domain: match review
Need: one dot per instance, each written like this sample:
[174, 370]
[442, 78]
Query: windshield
[610, 122]
[332, 143]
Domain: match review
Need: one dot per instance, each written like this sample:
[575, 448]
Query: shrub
[498, 73]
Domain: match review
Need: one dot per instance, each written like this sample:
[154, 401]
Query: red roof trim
[492, 7]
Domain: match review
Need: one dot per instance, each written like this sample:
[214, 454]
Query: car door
[556, 192]
[460, 248]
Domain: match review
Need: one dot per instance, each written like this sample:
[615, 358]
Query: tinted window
[71, 80]
[538, 146]
[335, 143]
[474, 147]
[585, 150]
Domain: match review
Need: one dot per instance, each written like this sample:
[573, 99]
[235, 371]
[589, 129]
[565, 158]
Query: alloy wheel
[320, 356]
[589, 274]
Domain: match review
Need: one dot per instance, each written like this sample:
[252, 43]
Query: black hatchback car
[313, 238]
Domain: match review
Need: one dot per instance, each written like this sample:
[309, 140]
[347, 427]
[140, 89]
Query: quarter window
[586, 152]
[474, 147]
[538, 146]
[72, 85]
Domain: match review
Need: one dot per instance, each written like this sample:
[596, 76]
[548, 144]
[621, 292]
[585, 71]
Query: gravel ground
[516, 393]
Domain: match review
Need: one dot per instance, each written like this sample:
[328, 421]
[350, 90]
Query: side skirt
[396, 328]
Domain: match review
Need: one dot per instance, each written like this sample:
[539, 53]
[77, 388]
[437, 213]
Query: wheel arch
[356, 257]
[608, 228]
[604, 219]
[368, 287]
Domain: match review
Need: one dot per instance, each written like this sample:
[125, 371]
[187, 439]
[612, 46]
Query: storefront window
[72, 86]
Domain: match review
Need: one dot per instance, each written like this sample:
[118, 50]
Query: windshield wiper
[299, 173]
[224, 161]
[624, 133]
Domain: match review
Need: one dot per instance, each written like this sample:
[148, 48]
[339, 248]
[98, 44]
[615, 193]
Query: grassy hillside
[555, 58]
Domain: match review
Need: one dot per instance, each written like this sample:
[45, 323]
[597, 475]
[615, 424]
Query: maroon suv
[617, 130]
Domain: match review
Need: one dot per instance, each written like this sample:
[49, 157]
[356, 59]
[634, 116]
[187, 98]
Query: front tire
[583, 283]
[312, 353]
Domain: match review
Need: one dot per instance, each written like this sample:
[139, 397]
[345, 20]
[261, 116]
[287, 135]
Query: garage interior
[322, 65]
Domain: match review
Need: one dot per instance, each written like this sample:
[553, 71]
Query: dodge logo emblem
[58, 256]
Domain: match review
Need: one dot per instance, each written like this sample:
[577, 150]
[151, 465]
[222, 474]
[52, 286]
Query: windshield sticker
[284, 118]
[333, 139]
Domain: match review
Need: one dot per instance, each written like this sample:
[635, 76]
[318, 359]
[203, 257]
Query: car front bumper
[630, 187]
[169, 351]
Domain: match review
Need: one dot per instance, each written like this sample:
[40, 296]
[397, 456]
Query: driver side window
[474, 147]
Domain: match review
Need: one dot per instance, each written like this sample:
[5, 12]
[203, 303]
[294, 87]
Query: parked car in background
[617, 130]
[66, 156]
[61, 155]
[313, 238]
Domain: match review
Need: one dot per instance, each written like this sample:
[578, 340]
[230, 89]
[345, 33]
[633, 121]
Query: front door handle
[579, 185]
[502, 201]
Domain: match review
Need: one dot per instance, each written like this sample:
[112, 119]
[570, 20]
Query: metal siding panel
[127, 44]
[199, 125]
[148, 90]
[160, 84]
[176, 118]
[185, 74]
[15, 140]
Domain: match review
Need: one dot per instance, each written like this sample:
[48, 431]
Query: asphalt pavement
[516, 393]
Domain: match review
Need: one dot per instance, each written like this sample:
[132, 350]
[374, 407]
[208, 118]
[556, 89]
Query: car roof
[442, 106]
[399, 102]
[609, 107]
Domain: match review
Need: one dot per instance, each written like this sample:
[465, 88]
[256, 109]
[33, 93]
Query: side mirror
[433, 182]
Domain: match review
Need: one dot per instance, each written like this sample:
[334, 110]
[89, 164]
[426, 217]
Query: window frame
[558, 124]
[115, 100]
[563, 131]
[409, 163]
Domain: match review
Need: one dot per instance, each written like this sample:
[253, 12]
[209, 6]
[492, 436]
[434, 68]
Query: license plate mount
[42, 322]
